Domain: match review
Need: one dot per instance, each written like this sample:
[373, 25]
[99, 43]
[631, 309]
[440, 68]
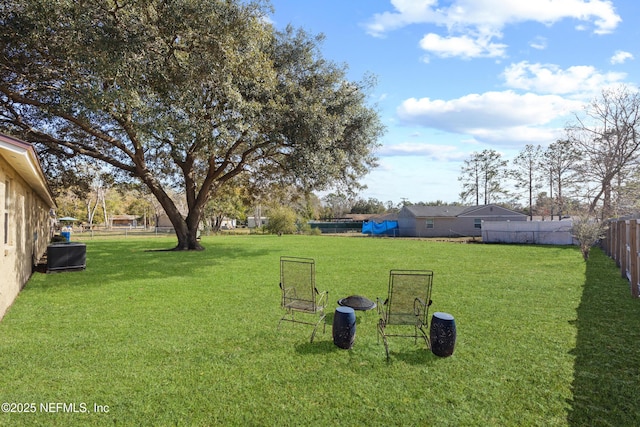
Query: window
[477, 223]
[430, 223]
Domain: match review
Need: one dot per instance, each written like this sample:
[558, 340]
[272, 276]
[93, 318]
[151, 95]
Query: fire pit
[357, 302]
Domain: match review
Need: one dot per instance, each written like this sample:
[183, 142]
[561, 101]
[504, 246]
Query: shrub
[588, 232]
[282, 220]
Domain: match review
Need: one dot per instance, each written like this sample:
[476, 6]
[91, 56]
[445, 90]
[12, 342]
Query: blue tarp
[385, 227]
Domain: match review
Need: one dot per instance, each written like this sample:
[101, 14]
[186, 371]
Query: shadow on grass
[319, 346]
[112, 261]
[323, 343]
[607, 354]
[420, 356]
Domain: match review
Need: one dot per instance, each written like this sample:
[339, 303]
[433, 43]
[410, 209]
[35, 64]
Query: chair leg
[324, 326]
[281, 319]
[427, 341]
[384, 338]
[386, 346]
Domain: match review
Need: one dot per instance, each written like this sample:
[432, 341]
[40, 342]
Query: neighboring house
[227, 224]
[254, 222]
[163, 223]
[124, 221]
[451, 221]
[25, 220]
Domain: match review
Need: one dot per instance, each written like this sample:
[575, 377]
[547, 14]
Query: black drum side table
[443, 334]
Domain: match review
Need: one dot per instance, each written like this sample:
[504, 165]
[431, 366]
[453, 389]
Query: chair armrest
[322, 298]
[419, 306]
[288, 293]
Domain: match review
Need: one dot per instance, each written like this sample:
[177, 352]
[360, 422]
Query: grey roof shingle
[438, 211]
[456, 211]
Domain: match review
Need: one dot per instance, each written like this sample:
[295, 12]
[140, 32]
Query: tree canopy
[527, 172]
[182, 94]
[483, 174]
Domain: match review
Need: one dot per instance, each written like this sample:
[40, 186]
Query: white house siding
[24, 217]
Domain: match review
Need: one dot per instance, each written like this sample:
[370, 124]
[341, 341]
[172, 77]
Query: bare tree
[628, 199]
[607, 136]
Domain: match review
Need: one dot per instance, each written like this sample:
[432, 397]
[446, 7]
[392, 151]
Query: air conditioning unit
[66, 256]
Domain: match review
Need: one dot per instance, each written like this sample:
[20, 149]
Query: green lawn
[165, 338]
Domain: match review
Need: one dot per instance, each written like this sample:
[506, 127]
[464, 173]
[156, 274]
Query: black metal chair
[299, 293]
[405, 311]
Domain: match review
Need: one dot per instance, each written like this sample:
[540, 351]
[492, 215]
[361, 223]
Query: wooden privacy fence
[622, 243]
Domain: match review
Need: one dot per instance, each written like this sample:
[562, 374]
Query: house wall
[252, 221]
[463, 225]
[25, 232]
[410, 226]
[124, 222]
[163, 223]
[407, 224]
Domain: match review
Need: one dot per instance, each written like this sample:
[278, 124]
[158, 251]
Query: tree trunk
[217, 223]
[188, 241]
[560, 202]
[531, 195]
[104, 209]
[186, 229]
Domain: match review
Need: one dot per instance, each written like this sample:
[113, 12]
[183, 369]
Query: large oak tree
[182, 93]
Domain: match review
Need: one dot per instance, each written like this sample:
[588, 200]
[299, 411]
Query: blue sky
[459, 76]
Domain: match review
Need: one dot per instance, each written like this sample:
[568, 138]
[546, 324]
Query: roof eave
[22, 157]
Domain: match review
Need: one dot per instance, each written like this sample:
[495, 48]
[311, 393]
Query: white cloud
[487, 110]
[435, 152]
[494, 14]
[462, 46]
[408, 12]
[498, 13]
[620, 57]
[581, 81]
[472, 25]
[497, 117]
[539, 43]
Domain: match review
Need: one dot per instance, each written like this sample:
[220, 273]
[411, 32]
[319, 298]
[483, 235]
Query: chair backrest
[409, 297]
[298, 281]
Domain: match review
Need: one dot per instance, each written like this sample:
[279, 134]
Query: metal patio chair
[299, 294]
[405, 311]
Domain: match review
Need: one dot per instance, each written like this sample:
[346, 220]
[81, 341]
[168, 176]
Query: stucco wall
[25, 225]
